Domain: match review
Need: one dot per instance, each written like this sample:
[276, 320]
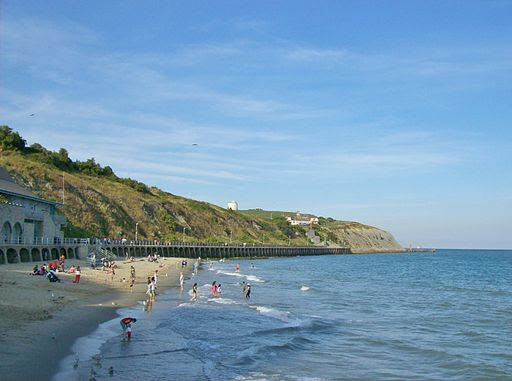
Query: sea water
[443, 315]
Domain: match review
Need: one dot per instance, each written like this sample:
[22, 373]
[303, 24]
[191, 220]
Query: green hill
[101, 204]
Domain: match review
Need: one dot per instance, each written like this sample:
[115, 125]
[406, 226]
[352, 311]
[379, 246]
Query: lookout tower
[232, 205]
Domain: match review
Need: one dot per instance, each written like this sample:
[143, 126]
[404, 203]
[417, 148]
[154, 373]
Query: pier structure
[37, 251]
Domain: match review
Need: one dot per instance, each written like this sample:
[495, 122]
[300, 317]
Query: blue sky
[392, 113]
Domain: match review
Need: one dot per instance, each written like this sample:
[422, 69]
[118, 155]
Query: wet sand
[41, 320]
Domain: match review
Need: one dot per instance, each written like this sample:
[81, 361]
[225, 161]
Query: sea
[407, 316]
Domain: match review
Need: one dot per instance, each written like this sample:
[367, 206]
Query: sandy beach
[41, 320]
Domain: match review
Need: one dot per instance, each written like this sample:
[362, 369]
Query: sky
[395, 114]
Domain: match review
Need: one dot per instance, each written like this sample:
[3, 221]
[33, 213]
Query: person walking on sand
[77, 275]
[151, 290]
[132, 277]
[194, 293]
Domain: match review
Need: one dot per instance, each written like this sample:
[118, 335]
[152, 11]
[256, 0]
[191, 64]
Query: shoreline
[41, 321]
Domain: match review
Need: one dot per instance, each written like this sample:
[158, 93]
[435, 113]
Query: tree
[10, 140]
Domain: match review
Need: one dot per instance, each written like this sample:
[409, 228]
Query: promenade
[45, 250]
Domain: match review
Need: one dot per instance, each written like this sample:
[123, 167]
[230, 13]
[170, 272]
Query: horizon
[392, 115]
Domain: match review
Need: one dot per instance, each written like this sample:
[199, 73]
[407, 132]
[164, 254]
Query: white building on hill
[302, 219]
[232, 205]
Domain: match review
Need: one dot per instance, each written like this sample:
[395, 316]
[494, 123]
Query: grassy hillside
[99, 203]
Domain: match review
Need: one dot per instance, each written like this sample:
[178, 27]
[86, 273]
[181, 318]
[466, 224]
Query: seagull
[194, 144]
[32, 114]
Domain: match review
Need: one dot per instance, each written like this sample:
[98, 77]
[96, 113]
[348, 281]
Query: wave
[304, 288]
[254, 354]
[223, 301]
[252, 278]
[268, 311]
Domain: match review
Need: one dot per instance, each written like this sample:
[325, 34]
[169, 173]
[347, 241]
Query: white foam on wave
[268, 311]
[304, 288]
[223, 301]
[252, 278]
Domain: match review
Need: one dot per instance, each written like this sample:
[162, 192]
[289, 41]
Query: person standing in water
[125, 322]
[237, 268]
[129, 332]
[248, 291]
[219, 291]
[214, 288]
[194, 293]
[181, 280]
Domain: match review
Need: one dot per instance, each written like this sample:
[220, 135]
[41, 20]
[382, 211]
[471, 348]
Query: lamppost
[136, 230]
[184, 228]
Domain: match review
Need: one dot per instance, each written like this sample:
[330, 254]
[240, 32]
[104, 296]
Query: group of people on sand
[51, 270]
[153, 258]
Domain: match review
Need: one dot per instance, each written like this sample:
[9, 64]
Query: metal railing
[42, 241]
[45, 241]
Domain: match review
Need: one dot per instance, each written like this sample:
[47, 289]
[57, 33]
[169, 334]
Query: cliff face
[360, 238]
[106, 206]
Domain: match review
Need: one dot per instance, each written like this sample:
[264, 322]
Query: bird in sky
[194, 144]
[32, 114]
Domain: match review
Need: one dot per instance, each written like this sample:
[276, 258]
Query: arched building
[26, 218]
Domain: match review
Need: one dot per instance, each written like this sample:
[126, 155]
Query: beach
[41, 320]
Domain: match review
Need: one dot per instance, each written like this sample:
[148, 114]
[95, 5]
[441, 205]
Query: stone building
[26, 218]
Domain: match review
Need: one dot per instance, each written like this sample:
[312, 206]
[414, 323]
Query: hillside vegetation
[101, 204]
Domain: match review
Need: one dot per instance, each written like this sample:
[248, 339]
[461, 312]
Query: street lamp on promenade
[136, 230]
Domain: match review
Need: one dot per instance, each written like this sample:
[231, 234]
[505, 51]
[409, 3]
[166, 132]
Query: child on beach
[77, 275]
[129, 332]
[126, 321]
